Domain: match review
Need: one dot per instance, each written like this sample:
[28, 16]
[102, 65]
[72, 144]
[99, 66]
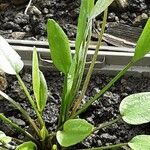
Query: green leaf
[59, 46]
[140, 142]
[143, 44]
[35, 75]
[27, 146]
[43, 92]
[43, 133]
[74, 131]
[39, 83]
[10, 61]
[135, 109]
[99, 7]
[4, 139]
[85, 9]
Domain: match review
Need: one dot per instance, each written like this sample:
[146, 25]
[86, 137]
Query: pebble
[140, 20]
[21, 19]
[3, 81]
[19, 122]
[18, 35]
[11, 25]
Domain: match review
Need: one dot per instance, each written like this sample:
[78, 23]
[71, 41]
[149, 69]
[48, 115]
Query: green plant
[71, 129]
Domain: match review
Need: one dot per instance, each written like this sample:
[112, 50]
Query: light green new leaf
[10, 61]
[35, 75]
[43, 133]
[43, 92]
[85, 9]
[99, 7]
[39, 83]
[4, 139]
[74, 131]
[140, 142]
[143, 44]
[27, 146]
[59, 46]
[135, 109]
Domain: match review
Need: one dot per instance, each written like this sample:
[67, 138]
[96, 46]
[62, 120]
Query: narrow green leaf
[39, 83]
[140, 142]
[35, 75]
[3, 138]
[143, 44]
[27, 146]
[99, 7]
[85, 9]
[43, 92]
[74, 131]
[10, 61]
[135, 109]
[59, 46]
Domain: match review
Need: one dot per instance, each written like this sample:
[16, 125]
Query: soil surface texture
[17, 24]
[100, 111]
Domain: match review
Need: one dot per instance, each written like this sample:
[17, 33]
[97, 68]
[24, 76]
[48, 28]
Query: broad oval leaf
[39, 83]
[135, 109]
[140, 142]
[99, 7]
[143, 44]
[27, 146]
[10, 61]
[74, 131]
[3, 138]
[59, 46]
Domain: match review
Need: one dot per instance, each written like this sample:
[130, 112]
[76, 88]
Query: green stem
[31, 101]
[63, 106]
[107, 147]
[106, 124]
[24, 113]
[121, 73]
[8, 121]
[86, 82]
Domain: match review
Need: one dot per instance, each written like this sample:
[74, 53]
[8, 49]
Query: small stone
[111, 16]
[11, 26]
[3, 81]
[140, 20]
[34, 11]
[18, 35]
[19, 122]
[45, 11]
[21, 19]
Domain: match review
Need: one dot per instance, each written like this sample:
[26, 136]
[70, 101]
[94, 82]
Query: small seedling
[134, 109]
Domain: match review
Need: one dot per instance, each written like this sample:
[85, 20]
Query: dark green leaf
[99, 7]
[27, 146]
[143, 44]
[140, 142]
[10, 61]
[59, 46]
[135, 109]
[74, 131]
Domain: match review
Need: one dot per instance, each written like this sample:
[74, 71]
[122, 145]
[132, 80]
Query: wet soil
[100, 111]
[14, 23]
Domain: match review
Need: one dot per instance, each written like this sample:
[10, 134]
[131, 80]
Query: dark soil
[99, 112]
[17, 25]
